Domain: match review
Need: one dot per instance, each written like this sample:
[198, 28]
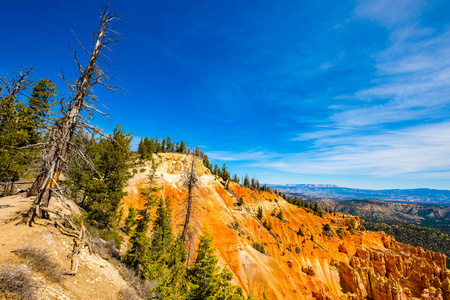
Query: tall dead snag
[76, 114]
[191, 182]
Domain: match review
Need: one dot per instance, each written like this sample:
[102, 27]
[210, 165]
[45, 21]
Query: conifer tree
[106, 188]
[149, 193]
[162, 230]
[246, 181]
[40, 104]
[130, 221]
[259, 215]
[138, 255]
[16, 130]
[207, 281]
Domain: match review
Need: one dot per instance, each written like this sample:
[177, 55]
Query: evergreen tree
[40, 104]
[142, 149]
[246, 181]
[182, 147]
[169, 144]
[207, 281]
[149, 193]
[173, 284]
[162, 231]
[130, 221]
[19, 126]
[138, 255]
[104, 193]
[259, 215]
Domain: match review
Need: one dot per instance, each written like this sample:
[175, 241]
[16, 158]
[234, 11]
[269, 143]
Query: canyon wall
[338, 261]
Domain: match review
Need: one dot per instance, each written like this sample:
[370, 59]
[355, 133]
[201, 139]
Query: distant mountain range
[418, 196]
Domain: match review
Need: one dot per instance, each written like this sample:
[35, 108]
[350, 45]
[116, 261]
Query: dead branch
[73, 120]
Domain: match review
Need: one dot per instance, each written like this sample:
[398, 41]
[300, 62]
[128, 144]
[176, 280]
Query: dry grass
[141, 287]
[17, 283]
[106, 249]
[128, 294]
[41, 261]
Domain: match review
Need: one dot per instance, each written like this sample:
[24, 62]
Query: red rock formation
[351, 265]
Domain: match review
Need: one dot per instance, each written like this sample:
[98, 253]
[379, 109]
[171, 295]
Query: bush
[327, 227]
[142, 287]
[135, 171]
[267, 225]
[280, 214]
[259, 215]
[259, 247]
[142, 170]
[113, 235]
[41, 261]
[128, 294]
[300, 232]
[17, 283]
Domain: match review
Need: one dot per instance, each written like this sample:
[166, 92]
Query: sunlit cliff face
[345, 262]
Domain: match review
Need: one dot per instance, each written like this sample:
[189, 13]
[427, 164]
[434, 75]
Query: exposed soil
[96, 278]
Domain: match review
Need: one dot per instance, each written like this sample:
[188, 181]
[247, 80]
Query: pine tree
[138, 255]
[105, 193]
[162, 230]
[259, 215]
[182, 147]
[173, 284]
[149, 193]
[17, 130]
[130, 221]
[246, 181]
[207, 281]
[40, 104]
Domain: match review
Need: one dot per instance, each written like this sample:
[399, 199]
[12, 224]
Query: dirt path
[12, 207]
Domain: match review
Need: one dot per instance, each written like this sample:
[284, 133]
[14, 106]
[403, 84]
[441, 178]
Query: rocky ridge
[344, 263]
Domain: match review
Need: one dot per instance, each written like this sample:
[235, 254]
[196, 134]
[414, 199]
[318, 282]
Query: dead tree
[76, 114]
[191, 182]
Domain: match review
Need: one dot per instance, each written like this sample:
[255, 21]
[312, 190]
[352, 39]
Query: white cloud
[240, 156]
[421, 151]
[389, 12]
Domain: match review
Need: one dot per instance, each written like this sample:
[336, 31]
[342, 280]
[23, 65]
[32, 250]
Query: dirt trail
[13, 206]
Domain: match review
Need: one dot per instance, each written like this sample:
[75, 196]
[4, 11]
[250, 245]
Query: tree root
[68, 228]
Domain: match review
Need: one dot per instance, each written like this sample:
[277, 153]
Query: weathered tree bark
[191, 182]
[82, 101]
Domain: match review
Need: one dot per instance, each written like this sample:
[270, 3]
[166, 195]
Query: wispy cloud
[421, 151]
[389, 12]
[241, 156]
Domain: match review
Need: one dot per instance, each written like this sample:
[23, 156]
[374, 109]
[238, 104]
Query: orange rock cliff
[339, 262]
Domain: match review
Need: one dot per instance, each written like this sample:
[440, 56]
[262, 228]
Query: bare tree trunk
[191, 183]
[55, 157]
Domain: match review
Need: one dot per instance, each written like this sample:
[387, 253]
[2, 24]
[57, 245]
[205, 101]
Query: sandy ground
[96, 279]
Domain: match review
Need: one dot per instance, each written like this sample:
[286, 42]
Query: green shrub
[280, 214]
[259, 215]
[259, 247]
[113, 235]
[135, 171]
[267, 225]
[142, 170]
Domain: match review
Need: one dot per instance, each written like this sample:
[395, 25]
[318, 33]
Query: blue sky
[354, 93]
